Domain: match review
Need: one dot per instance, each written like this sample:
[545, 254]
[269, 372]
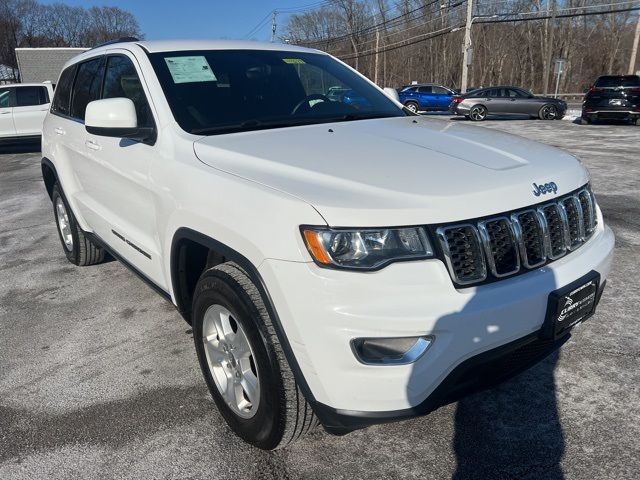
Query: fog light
[390, 351]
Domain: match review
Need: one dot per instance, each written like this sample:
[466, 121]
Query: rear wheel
[548, 112]
[585, 120]
[243, 363]
[413, 106]
[638, 121]
[77, 247]
[478, 113]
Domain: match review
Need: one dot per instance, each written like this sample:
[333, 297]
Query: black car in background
[613, 97]
[506, 100]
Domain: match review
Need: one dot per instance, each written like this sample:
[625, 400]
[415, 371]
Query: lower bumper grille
[505, 245]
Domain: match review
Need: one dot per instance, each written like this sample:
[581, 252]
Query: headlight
[366, 249]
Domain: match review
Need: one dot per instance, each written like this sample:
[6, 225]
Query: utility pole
[273, 26]
[465, 47]
[634, 49]
[549, 52]
[377, 60]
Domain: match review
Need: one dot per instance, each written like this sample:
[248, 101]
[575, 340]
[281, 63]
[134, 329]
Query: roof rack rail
[119, 40]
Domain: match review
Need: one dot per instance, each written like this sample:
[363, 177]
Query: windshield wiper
[355, 116]
[255, 124]
[243, 126]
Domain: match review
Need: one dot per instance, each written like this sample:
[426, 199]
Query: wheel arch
[216, 251]
[49, 175]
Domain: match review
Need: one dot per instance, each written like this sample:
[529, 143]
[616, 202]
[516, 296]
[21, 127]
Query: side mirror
[115, 117]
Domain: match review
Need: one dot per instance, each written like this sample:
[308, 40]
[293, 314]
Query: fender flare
[44, 164]
[251, 270]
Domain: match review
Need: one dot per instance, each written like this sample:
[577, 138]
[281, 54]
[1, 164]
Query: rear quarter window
[62, 96]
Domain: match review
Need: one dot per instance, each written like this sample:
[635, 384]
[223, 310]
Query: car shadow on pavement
[25, 147]
[512, 430]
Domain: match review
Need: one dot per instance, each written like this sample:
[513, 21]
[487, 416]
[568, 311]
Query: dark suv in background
[613, 97]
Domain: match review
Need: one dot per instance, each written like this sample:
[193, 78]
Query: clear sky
[167, 19]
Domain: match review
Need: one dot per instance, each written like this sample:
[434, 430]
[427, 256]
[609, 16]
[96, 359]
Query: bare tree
[28, 23]
[422, 39]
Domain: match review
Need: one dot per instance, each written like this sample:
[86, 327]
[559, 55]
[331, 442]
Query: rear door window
[30, 96]
[122, 81]
[62, 97]
[441, 91]
[86, 87]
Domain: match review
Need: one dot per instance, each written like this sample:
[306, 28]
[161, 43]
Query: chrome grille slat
[500, 246]
[460, 244]
[588, 210]
[531, 238]
[556, 230]
[575, 221]
[503, 245]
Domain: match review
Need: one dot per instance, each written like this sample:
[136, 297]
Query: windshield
[222, 91]
[621, 81]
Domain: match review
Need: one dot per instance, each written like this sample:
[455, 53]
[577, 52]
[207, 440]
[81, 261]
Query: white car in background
[23, 107]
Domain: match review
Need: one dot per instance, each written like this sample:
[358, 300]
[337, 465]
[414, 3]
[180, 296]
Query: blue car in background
[351, 97]
[426, 97]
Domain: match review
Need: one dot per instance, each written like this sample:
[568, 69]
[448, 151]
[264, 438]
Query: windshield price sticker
[190, 69]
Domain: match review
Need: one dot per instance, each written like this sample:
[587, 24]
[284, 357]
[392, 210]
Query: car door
[30, 107]
[7, 128]
[120, 184]
[521, 101]
[490, 98]
[442, 97]
[425, 97]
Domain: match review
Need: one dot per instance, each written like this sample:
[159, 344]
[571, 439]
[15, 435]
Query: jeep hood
[396, 171]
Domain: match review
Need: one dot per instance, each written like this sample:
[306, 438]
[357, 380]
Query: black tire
[413, 106]
[82, 251]
[478, 113]
[283, 415]
[637, 121]
[548, 112]
[585, 121]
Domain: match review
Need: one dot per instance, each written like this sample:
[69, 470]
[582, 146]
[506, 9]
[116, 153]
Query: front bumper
[322, 310]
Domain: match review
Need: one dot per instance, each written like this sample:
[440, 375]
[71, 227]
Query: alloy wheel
[64, 226]
[231, 361]
[549, 112]
[478, 113]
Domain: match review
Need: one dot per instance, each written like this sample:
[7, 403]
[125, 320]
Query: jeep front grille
[511, 243]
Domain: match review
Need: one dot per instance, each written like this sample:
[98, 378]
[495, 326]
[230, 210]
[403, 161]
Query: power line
[373, 27]
[405, 30]
[445, 31]
[260, 25]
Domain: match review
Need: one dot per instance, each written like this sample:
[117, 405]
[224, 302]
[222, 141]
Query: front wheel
[243, 362]
[478, 113]
[548, 112]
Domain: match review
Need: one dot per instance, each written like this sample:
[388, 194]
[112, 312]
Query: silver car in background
[505, 100]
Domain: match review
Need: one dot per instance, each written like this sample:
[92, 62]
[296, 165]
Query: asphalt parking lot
[99, 378]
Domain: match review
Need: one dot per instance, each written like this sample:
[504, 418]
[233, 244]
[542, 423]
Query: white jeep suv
[343, 262]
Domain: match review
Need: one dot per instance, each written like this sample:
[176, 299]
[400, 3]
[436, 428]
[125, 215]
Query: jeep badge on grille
[544, 188]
